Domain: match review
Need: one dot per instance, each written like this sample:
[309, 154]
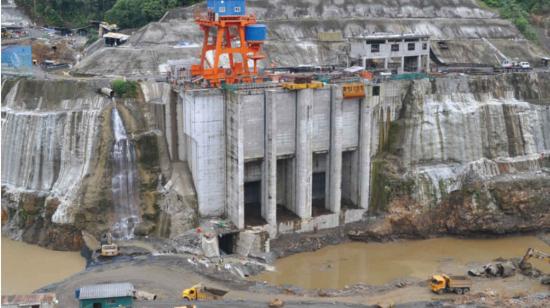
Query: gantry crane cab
[227, 7]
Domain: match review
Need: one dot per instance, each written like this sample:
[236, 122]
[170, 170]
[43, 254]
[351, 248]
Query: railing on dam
[409, 76]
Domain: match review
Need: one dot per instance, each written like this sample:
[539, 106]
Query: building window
[375, 48]
[222, 9]
[237, 9]
[411, 46]
[395, 47]
[376, 91]
[424, 46]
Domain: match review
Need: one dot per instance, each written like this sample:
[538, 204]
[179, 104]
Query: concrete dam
[272, 161]
[290, 161]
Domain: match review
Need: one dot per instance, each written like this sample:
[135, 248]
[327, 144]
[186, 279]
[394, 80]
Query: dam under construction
[299, 153]
[283, 161]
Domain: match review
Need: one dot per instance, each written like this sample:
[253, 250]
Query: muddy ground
[168, 275]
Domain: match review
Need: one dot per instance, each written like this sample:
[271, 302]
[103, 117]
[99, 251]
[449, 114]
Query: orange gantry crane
[229, 31]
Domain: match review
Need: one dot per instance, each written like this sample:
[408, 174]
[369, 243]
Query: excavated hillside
[472, 34]
[58, 164]
[467, 155]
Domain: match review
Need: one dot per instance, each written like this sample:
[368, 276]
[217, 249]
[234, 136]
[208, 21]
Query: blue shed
[112, 295]
[227, 7]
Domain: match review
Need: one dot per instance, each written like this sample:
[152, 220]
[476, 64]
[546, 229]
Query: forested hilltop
[523, 13]
[136, 13]
[76, 13]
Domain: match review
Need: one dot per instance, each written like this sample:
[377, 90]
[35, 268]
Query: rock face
[57, 162]
[468, 155]
[49, 132]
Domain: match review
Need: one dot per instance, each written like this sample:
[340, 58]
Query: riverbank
[167, 275]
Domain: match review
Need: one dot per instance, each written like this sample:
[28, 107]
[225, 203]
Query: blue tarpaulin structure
[17, 59]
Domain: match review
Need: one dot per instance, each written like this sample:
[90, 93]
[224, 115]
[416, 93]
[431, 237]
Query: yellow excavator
[533, 253]
[108, 248]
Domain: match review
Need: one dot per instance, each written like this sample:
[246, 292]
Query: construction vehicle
[200, 292]
[443, 283]
[108, 248]
[302, 82]
[533, 253]
[509, 65]
[301, 86]
[353, 90]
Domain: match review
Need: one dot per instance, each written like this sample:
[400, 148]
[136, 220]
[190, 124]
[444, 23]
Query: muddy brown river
[380, 263]
[26, 268]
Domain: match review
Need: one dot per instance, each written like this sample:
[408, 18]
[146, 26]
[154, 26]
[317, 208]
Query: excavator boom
[533, 253]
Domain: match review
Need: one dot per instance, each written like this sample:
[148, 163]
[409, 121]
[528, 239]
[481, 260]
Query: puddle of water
[380, 263]
[26, 267]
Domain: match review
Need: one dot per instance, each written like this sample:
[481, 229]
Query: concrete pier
[234, 161]
[365, 153]
[269, 166]
[304, 130]
[334, 187]
[274, 161]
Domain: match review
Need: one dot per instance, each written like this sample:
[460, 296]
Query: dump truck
[443, 283]
[200, 292]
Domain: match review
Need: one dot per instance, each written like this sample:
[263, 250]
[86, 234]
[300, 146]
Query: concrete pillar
[269, 166]
[304, 130]
[364, 153]
[385, 63]
[402, 65]
[334, 173]
[428, 60]
[419, 64]
[180, 116]
[364, 62]
[355, 178]
[234, 161]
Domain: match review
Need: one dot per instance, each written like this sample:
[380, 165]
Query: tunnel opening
[349, 180]
[319, 185]
[285, 190]
[253, 204]
[227, 243]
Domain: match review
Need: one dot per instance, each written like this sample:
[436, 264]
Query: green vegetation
[77, 13]
[125, 88]
[65, 13]
[136, 13]
[518, 11]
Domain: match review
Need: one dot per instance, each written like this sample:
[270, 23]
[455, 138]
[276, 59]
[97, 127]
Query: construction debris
[494, 269]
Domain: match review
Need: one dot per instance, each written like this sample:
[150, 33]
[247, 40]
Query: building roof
[117, 36]
[106, 290]
[31, 299]
[384, 35]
